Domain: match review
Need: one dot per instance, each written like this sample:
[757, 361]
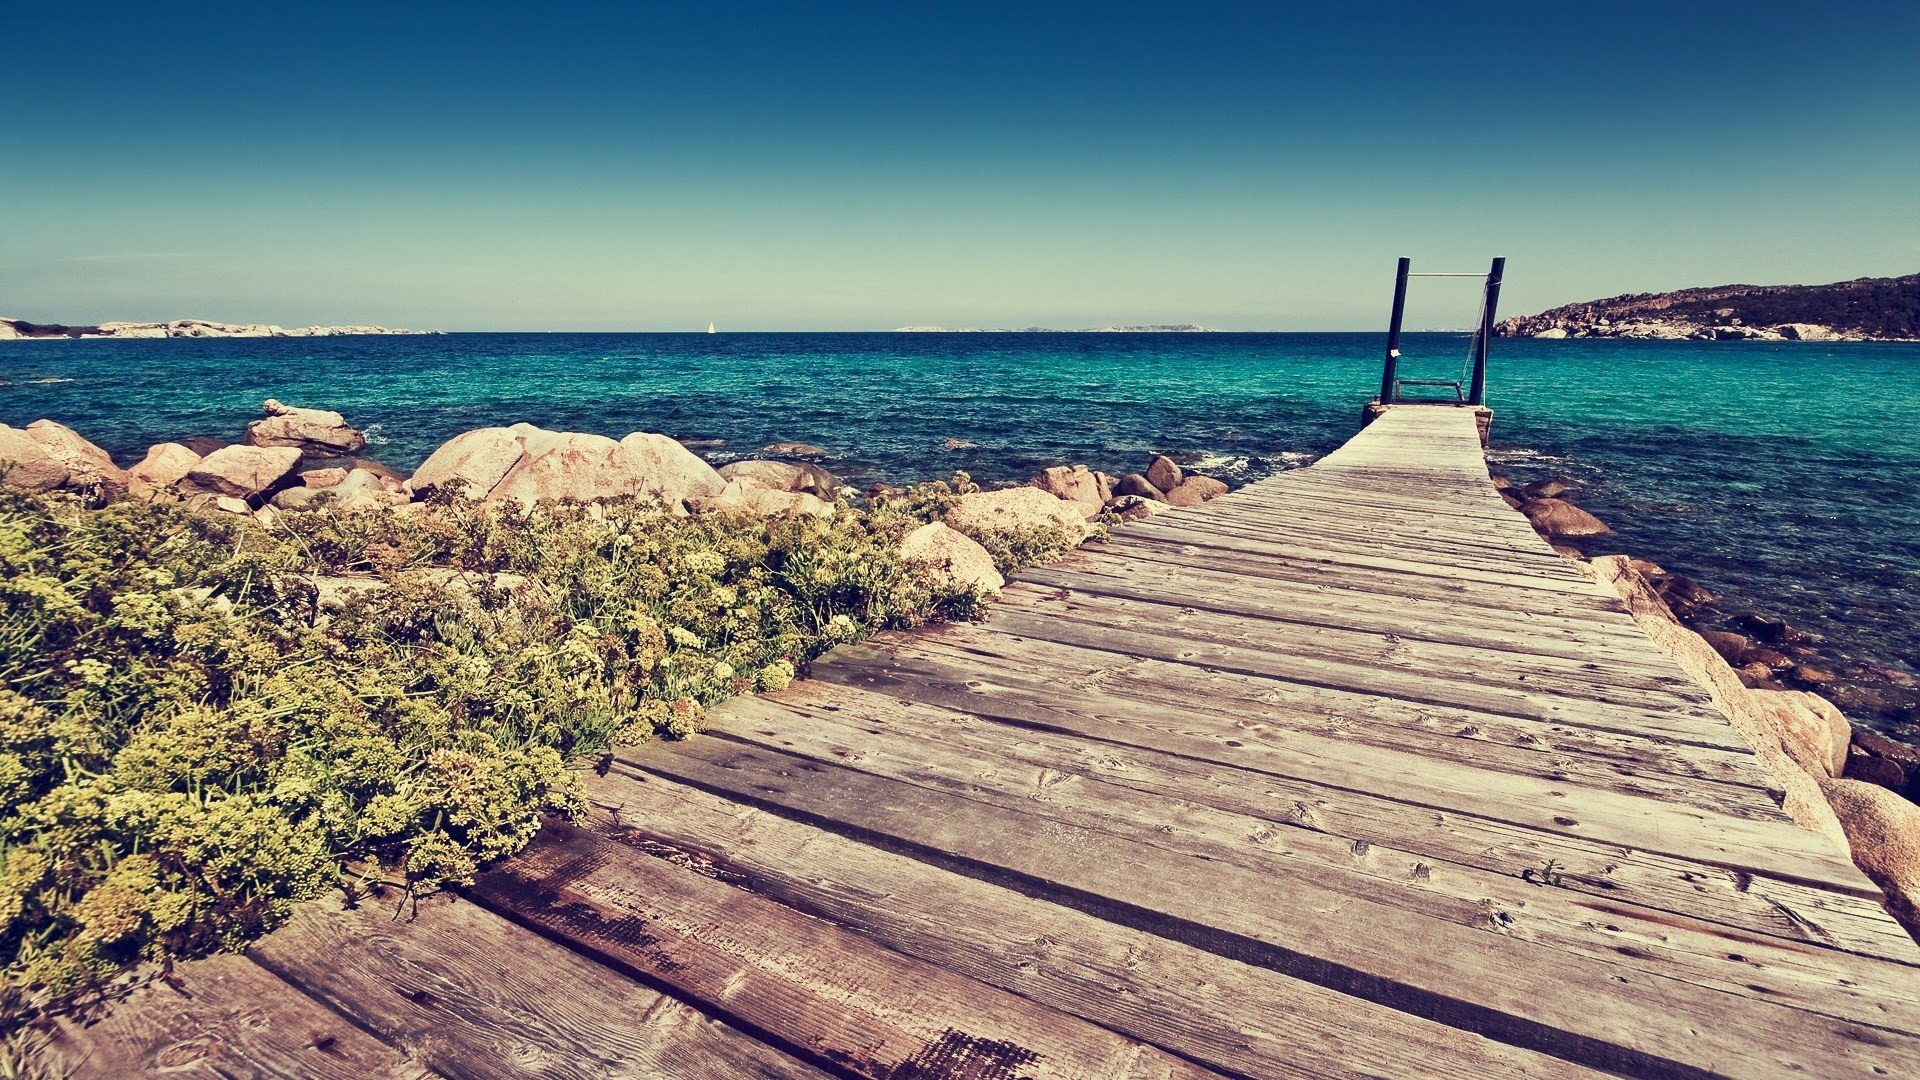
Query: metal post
[1388, 372]
[1477, 393]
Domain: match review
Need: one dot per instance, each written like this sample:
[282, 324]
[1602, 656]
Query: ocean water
[1782, 475]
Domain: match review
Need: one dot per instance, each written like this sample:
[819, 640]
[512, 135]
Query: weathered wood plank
[470, 994]
[813, 988]
[1236, 1017]
[1483, 980]
[220, 1017]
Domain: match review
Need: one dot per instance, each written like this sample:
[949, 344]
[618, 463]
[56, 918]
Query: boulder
[165, 464]
[1073, 484]
[44, 456]
[953, 558]
[746, 497]
[1807, 332]
[323, 478]
[1770, 630]
[1140, 487]
[1813, 732]
[1013, 509]
[366, 488]
[1557, 519]
[783, 476]
[1195, 490]
[1512, 500]
[960, 444]
[1868, 769]
[1551, 333]
[1883, 830]
[529, 464]
[242, 472]
[316, 432]
[1135, 507]
[204, 444]
[1164, 474]
[471, 463]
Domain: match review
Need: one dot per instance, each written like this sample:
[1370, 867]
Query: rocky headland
[1865, 309]
[21, 329]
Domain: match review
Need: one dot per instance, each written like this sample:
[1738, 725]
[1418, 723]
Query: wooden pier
[1346, 773]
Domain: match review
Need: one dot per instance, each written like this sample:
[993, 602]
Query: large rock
[1011, 510]
[783, 476]
[1135, 507]
[1074, 484]
[317, 432]
[1559, 518]
[952, 557]
[45, 456]
[1195, 490]
[1138, 485]
[1551, 333]
[1812, 732]
[529, 464]
[746, 497]
[1164, 474]
[243, 472]
[166, 463]
[1883, 831]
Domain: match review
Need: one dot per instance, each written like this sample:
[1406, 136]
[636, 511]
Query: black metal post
[1389, 371]
[1477, 392]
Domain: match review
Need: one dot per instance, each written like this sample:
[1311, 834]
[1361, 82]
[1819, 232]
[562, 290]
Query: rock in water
[1012, 510]
[165, 464]
[1164, 474]
[1883, 830]
[794, 450]
[783, 476]
[242, 472]
[1559, 518]
[952, 557]
[45, 456]
[316, 432]
[530, 464]
[1075, 485]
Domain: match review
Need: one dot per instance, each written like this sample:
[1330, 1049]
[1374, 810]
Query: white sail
[710, 329]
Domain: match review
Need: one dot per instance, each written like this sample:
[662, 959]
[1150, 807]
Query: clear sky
[862, 166]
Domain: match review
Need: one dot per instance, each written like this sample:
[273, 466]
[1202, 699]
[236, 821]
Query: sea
[1785, 476]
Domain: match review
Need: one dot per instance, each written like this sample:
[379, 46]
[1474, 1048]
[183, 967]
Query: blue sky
[862, 166]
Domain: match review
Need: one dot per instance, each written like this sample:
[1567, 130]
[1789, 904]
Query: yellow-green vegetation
[204, 720]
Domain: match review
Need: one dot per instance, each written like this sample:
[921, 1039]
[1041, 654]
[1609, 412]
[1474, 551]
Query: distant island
[181, 328]
[1864, 309]
[1157, 328]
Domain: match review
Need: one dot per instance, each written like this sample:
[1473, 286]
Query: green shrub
[204, 721]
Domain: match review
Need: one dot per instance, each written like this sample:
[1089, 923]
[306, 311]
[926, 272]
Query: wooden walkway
[1344, 774]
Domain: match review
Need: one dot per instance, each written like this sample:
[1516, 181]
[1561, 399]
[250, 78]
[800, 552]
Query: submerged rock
[794, 450]
[1557, 519]
[316, 432]
[952, 557]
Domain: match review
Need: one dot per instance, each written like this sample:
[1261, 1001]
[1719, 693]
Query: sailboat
[710, 329]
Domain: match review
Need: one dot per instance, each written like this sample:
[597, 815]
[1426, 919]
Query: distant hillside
[1865, 309]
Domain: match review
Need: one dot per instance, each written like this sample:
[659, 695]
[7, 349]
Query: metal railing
[1474, 390]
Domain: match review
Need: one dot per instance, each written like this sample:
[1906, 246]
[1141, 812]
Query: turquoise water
[1781, 474]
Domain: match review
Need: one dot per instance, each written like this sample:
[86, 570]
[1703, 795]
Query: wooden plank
[986, 666]
[1239, 1018]
[1583, 1009]
[222, 1016]
[1753, 902]
[470, 994]
[818, 991]
[1225, 821]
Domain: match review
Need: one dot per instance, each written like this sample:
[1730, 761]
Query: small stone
[960, 444]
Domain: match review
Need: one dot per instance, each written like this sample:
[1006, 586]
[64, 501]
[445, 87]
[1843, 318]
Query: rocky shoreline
[22, 330]
[1865, 309]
